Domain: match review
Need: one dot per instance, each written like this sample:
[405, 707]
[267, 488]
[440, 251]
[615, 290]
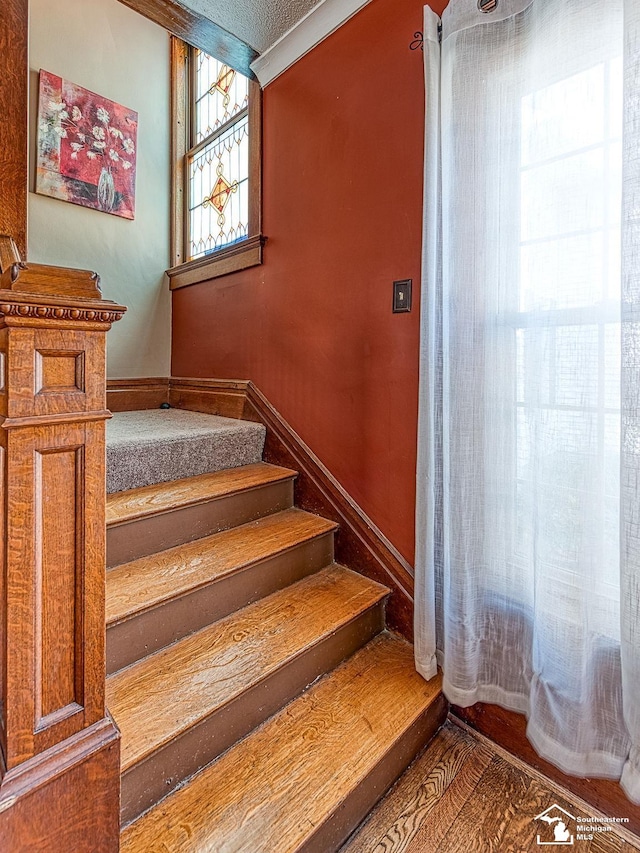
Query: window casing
[216, 158]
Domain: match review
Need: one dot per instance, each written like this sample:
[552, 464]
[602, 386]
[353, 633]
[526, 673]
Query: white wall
[109, 49]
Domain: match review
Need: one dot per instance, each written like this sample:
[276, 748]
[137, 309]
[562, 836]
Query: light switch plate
[402, 296]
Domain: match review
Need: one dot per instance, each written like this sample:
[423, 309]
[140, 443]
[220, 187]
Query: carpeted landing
[158, 445]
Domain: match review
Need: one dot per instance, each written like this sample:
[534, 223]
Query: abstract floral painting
[86, 148]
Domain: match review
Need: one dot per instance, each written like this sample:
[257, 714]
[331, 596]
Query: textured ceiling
[259, 23]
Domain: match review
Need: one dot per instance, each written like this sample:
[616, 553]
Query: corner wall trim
[316, 25]
[130, 395]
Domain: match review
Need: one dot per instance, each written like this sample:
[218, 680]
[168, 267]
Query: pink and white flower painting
[87, 148]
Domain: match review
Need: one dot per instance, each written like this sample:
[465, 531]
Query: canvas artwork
[86, 148]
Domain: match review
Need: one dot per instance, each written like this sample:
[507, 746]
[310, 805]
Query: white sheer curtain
[528, 521]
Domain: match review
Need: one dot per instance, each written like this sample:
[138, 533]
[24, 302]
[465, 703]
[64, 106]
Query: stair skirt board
[360, 544]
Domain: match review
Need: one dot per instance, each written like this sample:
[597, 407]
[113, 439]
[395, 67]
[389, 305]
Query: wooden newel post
[59, 750]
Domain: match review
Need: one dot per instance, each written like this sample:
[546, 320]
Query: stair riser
[150, 631]
[141, 537]
[333, 832]
[148, 782]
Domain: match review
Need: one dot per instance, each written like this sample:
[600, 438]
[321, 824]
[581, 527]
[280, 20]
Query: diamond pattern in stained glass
[220, 194]
[221, 94]
[219, 191]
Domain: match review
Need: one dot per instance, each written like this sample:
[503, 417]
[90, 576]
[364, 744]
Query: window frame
[237, 256]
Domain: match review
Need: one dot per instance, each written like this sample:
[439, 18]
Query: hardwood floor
[462, 796]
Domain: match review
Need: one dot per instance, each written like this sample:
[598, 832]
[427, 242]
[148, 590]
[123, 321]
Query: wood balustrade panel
[20, 372]
[53, 372]
[3, 372]
[14, 80]
[58, 371]
[55, 581]
[59, 749]
[3, 609]
[58, 583]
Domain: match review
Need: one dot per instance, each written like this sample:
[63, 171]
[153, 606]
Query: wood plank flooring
[461, 796]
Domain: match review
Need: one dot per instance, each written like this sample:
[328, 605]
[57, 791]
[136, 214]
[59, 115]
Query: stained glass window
[219, 189]
[218, 162]
[221, 94]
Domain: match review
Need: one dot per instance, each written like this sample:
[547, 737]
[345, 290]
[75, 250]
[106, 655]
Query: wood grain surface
[136, 586]
[14, 71]
[134, 395]
[45, 279]
[57, 744]
[156, 699]
[79, 778]
[139, 503]
[198, 30]
[462, 796]
[273, 789]
[508, 729]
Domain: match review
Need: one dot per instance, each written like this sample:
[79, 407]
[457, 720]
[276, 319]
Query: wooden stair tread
[276, 787]
[149, 500]
[141, 584]
[156, 699]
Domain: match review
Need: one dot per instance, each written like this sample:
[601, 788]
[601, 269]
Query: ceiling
[258, 23]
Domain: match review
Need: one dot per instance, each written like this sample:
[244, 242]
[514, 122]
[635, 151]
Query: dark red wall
[312, 327]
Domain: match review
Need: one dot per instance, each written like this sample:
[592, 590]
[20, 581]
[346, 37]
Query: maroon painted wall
[312, 327]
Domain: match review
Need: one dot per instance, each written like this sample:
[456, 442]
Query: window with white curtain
[528, 490]
[568, 323]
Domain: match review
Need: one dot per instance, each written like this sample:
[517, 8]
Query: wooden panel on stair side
[55, 607]
[281, 787]
[59, 749]
[57, 474]
[154, 518]
[67, 800]
[156, 600]
[134, 395]
[181, 708]
[14, 106]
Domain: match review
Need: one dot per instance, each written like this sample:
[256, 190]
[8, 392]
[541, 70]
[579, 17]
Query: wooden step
[154, 518]
[181, 707]
[156, 600]
[306, 778]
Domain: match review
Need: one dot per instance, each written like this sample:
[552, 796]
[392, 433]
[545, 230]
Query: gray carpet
[158, 445]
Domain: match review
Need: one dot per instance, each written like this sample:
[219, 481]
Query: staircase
[262, 704]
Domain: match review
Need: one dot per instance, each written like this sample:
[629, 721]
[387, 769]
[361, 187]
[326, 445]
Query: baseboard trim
[130, 395]
[359, 543]
[67, 798]
[508, 730]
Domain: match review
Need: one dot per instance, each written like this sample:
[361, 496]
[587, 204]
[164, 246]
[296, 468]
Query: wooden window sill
[241, 256]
